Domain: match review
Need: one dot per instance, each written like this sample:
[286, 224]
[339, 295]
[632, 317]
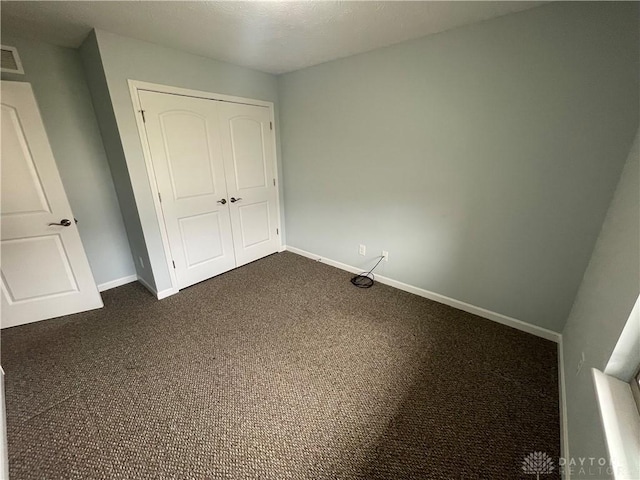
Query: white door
[183, 139]
[45, 272]
[249, 156]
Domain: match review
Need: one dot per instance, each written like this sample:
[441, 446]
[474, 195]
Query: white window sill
[621, 423]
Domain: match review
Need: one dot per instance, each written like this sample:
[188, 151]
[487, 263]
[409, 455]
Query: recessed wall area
[122, 59]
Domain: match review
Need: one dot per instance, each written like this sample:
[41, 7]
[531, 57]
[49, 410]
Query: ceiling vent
[10, 61]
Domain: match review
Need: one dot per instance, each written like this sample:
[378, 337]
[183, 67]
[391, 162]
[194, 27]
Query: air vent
[10, 62]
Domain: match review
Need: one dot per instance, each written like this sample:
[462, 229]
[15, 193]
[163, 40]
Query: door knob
[63, 223]
[234, 200]
[223, 201]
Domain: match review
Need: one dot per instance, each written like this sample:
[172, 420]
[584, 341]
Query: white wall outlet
[362, 250]
[385, 255]
[580, 363]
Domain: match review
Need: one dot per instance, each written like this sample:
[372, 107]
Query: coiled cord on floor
[365, 280]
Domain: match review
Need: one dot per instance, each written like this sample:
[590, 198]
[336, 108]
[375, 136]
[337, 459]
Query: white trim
[272, 119]
[166, 293]
[4, 448]
[187, 92]
[134, 87]
[159, 295]
[146, 151]
[467, 307]
[625, 358]
[117, 282]
[14, 50]
[621, 424]
[564, 421]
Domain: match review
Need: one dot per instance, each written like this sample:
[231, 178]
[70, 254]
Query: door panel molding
[207, 178]
[238, 169]
[29, 172]
[18, 251]
[242, 211]
[183, 223]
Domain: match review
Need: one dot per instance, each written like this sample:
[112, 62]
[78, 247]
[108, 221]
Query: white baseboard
[166, 293]
[481, 312]
[117, 282]
[159, 295]
[564, 422]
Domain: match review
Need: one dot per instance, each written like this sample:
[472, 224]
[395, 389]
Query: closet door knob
[65, 222]
[223, 201]
[234, 200]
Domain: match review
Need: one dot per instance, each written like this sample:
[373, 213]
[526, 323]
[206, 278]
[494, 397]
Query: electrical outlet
[385, 255]
[580, 363]
[141, 262]
[362, 250]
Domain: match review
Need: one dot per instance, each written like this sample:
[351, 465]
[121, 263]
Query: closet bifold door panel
[249, 161]
[184, 142]
[214, 166]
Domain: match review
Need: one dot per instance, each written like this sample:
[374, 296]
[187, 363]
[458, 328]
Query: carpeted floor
[277, 370]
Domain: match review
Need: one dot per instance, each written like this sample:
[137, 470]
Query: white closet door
[249, 156]
[187, 160]
[45, 272]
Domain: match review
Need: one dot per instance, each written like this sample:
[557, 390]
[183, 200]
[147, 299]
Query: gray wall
[125, 58]
[62, 94]
[609, 289]
[111, 139]
[483, 158]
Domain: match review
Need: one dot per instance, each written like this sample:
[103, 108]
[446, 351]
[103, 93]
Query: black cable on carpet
[365, 280]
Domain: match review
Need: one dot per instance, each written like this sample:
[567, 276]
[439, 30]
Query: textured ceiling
[274, 37]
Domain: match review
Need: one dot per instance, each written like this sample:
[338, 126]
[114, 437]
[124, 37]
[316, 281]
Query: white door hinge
[174, 264]
[270, 125]
[274, 182]
[144, 120]
[159, 197]
[277, 231]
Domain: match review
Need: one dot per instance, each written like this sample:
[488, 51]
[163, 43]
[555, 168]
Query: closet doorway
[212, 163]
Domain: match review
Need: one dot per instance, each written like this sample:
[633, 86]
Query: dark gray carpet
[277, 370]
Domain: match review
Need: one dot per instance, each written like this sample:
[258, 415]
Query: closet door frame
[134, 87]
